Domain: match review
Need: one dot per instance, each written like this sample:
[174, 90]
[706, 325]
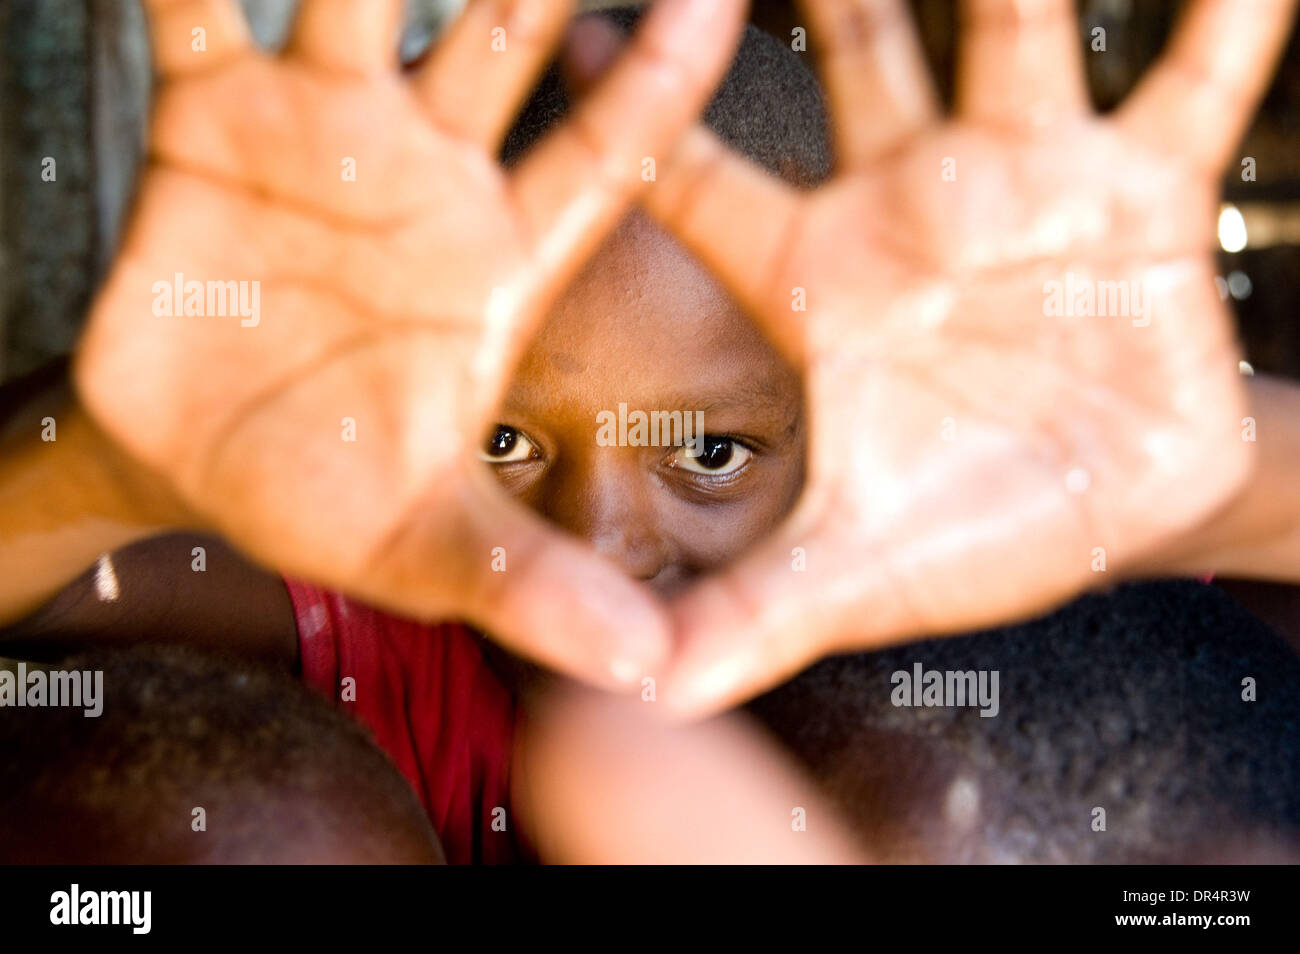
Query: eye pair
[719, 457]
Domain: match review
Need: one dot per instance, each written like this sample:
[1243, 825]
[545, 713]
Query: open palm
[396, 271]
[1018, 368]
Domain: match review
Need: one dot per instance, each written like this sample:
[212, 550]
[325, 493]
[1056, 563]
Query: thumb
[804, 593]
[551, 597]
[536, 591]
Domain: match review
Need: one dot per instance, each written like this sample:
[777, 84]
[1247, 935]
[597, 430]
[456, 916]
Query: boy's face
[646, 326]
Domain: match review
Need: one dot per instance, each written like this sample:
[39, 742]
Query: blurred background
[74, 87]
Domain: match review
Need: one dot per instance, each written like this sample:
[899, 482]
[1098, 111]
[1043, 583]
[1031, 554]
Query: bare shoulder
[181, 588]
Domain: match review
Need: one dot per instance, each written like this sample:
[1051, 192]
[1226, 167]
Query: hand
[972, 447]
[329, 425]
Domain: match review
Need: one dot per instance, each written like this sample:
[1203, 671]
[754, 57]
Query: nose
[608, 500]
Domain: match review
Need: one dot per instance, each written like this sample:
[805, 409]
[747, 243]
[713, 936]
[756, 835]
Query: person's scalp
[1131, 702]
[769, 107]
[181, 730]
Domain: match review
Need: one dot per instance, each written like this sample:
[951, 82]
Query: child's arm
[67, 493]
[70, 500]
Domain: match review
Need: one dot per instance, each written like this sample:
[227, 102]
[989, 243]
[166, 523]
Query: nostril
[671, 580]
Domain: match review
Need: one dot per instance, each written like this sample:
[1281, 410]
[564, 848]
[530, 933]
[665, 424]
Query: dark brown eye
[718, 456]
[717, 452]
[506, 446]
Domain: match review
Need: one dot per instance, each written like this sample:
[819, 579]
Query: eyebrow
[749, 394]
[755, 395]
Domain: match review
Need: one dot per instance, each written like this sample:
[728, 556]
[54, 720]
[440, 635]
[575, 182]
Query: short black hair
[277, 771]
[1132, 702]
[769, 106]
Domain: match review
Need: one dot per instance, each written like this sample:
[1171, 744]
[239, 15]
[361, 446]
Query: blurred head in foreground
[1157, 724]
[197, 759]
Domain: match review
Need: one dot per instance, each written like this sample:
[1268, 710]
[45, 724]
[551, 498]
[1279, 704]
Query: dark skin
[277, 830]
[659, 514]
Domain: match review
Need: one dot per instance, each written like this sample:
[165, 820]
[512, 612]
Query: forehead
[642, 316]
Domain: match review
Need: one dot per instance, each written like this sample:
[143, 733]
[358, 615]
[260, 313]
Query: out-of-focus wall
[74, 92]
[47, 177]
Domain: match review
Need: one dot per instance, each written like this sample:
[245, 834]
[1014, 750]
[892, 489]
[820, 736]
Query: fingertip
[697, 693]
[640, 641]
[736, 636]
[710, 669]
[626, 632]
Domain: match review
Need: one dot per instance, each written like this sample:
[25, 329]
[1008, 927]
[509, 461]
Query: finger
[540, 593]
[188, 36]
[348, 36]
[875, 73]
[731, 213]
[599, 781]
[808, 591]
[1019, 62]
[576, 183]
[1200, 97]
[754, 624]
[707, 191]
[478, 75]
[561, 604]
[738, 221]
